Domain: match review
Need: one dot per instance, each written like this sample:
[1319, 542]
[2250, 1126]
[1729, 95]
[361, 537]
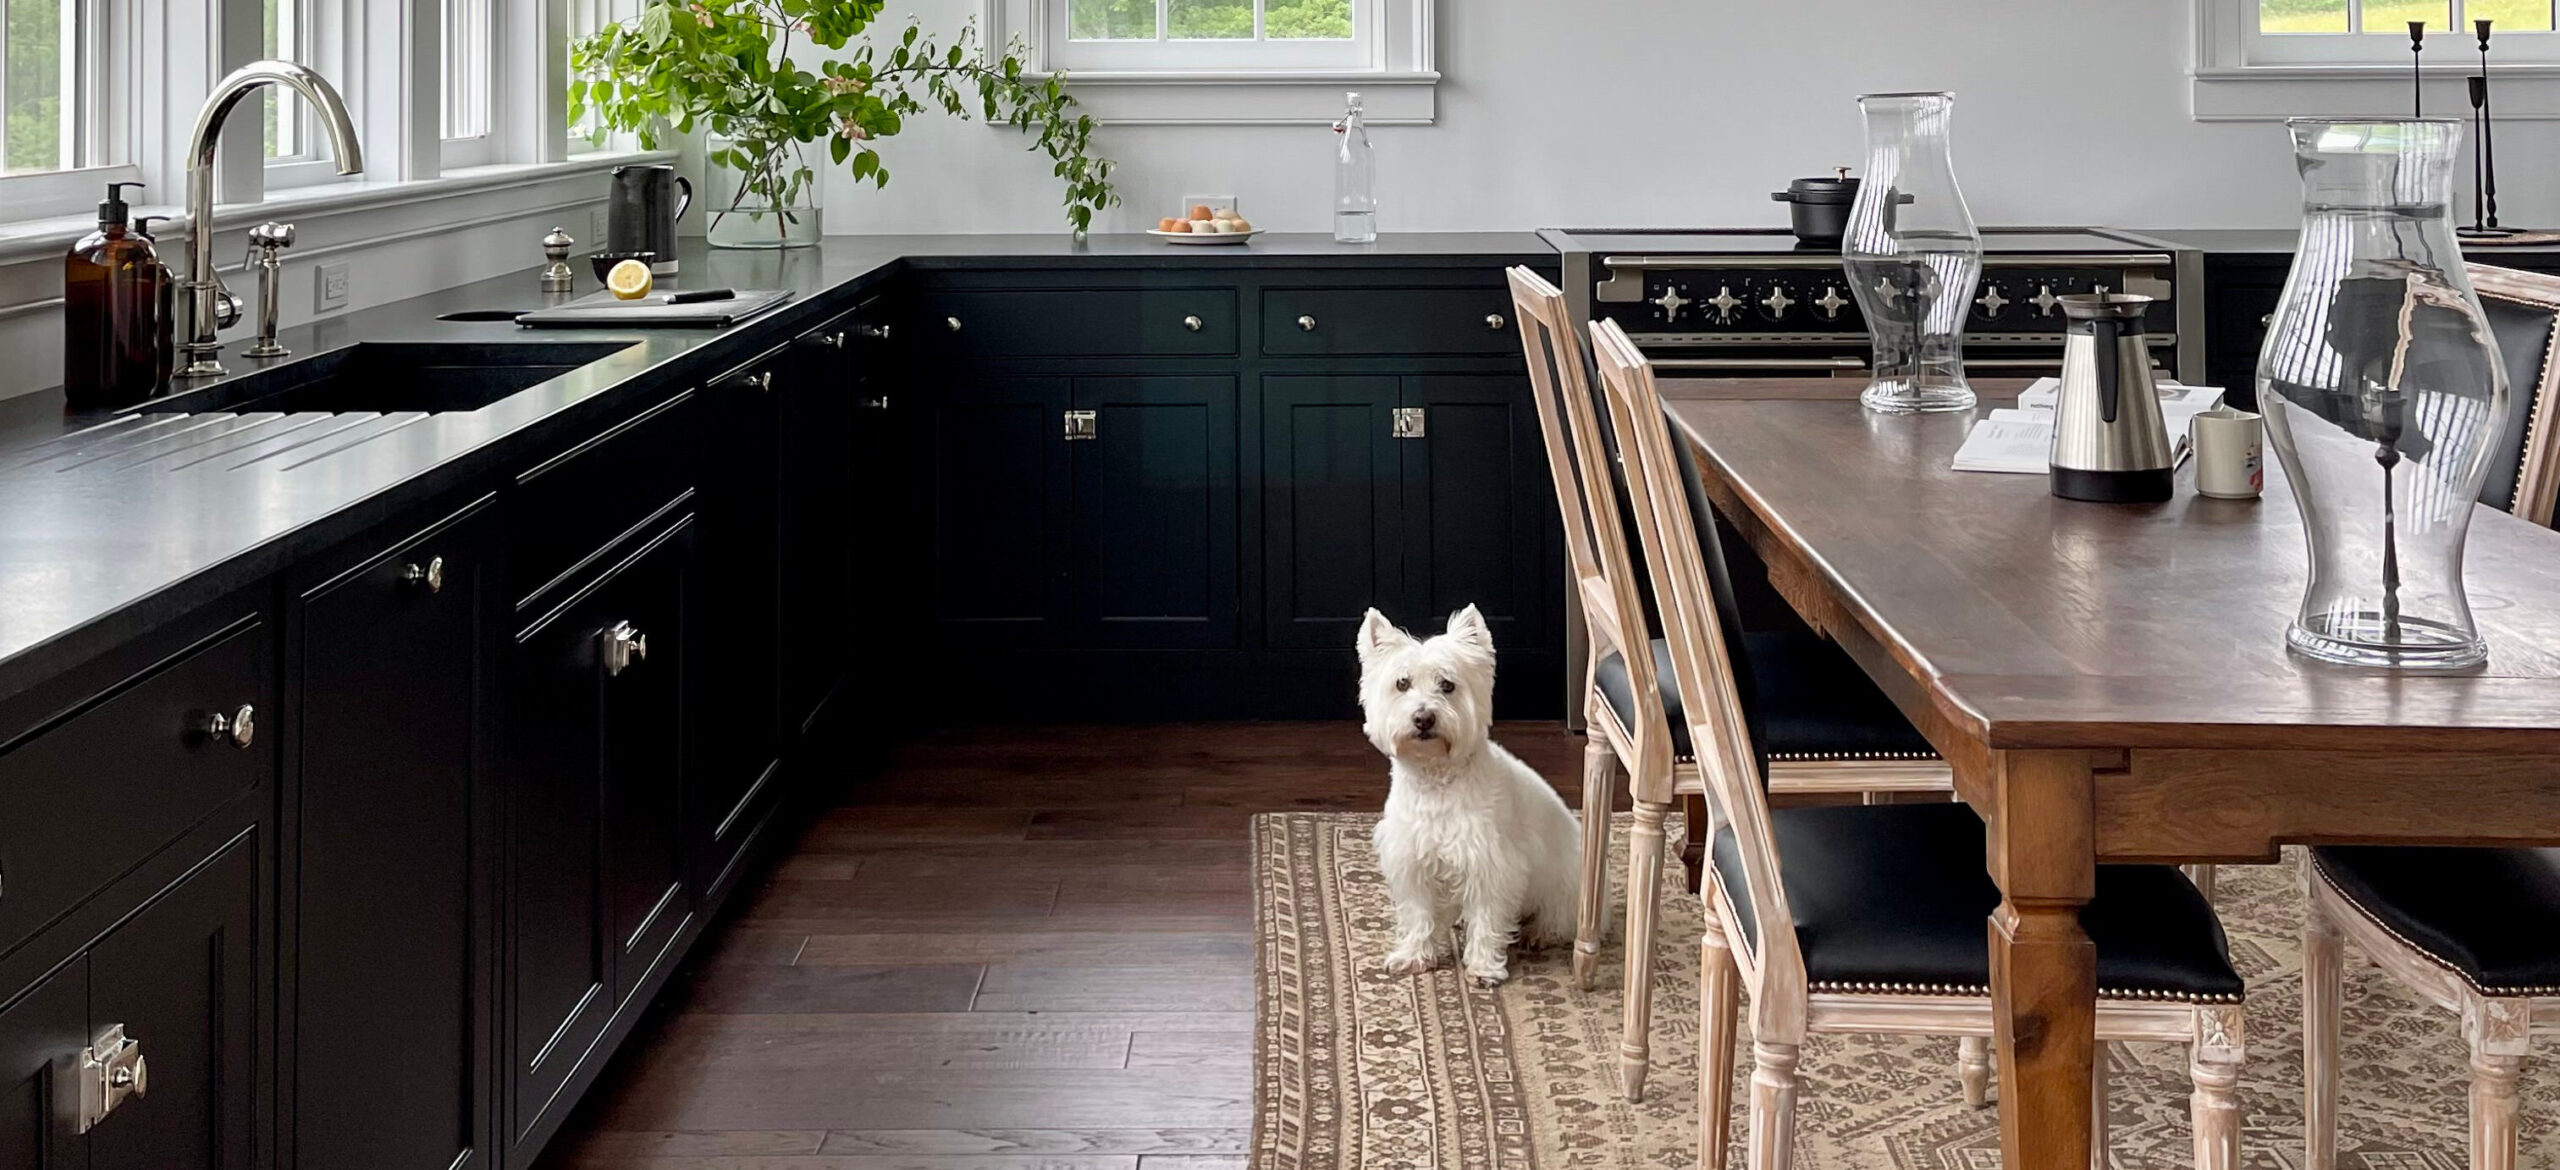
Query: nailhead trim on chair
[1853, 755]
[2422, 952]
[1977, 992]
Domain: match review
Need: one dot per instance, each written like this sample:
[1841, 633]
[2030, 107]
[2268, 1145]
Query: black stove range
[1752, 302]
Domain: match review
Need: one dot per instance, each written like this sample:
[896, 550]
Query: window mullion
[2355, 16]
[1164, 20]
[1261, 27]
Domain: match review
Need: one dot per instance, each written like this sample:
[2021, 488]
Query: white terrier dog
[1470, 832]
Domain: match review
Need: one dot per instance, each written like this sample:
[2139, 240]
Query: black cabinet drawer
[575, 505]
[113, 784]
[1316, 322]
[1171, 322]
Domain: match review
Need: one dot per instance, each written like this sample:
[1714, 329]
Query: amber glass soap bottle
[116, 313]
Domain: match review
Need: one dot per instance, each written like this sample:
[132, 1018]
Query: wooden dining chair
[1839, 734]
[2474, 931]
[1870, 918]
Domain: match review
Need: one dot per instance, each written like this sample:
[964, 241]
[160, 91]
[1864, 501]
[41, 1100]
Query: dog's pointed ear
[1468, 626]
[1380, 637]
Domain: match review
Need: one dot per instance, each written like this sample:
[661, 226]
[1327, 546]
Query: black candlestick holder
[2484, 152]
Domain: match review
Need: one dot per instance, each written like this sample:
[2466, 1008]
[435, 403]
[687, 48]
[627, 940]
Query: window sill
[2273, 93]
[336, 217]
[1253, 98]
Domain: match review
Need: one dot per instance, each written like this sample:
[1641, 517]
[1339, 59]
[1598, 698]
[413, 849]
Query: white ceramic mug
[2231, 461]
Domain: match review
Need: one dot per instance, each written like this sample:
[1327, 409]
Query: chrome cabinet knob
[953, 322]
[1192, 323]
[623, 646]
[876, 332]
[1307, 323]
[1494, 321]
[239, 728]
[880, 403]
[834, 340]
[109, 1071]
[763, 381]
[429, 576]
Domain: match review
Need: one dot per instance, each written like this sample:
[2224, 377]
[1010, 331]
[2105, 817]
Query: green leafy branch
[726, 66]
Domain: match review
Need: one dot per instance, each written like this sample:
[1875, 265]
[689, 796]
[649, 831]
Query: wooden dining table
[2110, 683]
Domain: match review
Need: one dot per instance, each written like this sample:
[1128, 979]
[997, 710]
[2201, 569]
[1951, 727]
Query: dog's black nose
[1425, 721]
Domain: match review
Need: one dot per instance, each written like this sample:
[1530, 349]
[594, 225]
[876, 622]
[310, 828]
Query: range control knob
[1773, 302]
[1670, 303]
[2045, 301]
[1991, 302]
[1830, 303]
[1724, 303]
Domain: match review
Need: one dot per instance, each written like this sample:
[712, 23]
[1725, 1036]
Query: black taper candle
[2488, 130]
[2479, 87]
[2417, 78]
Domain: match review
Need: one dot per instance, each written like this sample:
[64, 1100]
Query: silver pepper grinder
[557, 276]
[267, 242]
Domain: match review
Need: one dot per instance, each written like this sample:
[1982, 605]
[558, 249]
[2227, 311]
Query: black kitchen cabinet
[997, 493]
[737, 724]
[178, 981]
[1419, 495]
[387, 811]
[823, 404]
[1480, 518]
[596, 877]
[1333, 506]
[1154, 513]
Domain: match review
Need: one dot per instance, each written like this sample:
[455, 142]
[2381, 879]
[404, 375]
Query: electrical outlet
[595, 229]
[1212, 202]
[333, 288]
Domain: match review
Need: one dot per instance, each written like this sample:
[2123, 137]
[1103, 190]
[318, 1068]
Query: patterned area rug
[1360, 1068]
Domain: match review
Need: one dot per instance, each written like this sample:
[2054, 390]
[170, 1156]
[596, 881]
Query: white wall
[1656, 112]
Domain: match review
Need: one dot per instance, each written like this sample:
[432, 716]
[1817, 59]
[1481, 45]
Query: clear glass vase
[2383, 395]
[736, 219]
[1913, 255]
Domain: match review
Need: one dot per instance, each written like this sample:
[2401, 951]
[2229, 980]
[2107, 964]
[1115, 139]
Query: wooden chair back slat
[1704, 671]
[1586, 492]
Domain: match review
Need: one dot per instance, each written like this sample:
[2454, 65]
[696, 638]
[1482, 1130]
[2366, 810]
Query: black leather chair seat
[2490, 915]
[1894, 896]
[1806, 698]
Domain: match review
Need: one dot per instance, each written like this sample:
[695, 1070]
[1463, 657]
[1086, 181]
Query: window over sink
[1229, 61]
[2264, 60]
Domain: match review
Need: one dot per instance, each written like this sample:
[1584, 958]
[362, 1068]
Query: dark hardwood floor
[1014, 949]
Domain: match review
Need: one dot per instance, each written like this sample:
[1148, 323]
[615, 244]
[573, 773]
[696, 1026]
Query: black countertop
[97, 547]
[2281, 241]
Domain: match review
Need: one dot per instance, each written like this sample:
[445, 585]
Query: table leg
[2044, 971]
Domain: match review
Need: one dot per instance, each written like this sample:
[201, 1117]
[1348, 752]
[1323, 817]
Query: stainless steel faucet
[267, 242]
[210, 307]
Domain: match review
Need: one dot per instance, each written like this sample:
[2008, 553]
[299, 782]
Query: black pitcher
[641, 213]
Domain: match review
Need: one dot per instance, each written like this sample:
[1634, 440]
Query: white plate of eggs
[1205, 226]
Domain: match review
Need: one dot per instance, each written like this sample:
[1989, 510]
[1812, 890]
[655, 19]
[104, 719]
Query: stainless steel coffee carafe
[2109, 443]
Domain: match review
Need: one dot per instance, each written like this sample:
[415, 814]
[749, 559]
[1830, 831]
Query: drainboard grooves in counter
[133, 455]
[112, 433]
[243, 439]
[357, 438]
[330, 425]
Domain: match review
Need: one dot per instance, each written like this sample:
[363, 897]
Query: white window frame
[98, 64]
[485, 149]
[1205, 82]
[334, 45]
[2243, 75]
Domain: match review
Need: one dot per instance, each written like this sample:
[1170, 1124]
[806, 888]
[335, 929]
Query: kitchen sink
[387, 376]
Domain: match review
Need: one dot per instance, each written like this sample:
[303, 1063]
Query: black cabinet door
[1478, 513]
[389, 929]
[738, 722]
[41, 1036]
[1333, 540]
[1155, 514]
[820, 404]
[181, 978]
[595, 777]
[996, 530]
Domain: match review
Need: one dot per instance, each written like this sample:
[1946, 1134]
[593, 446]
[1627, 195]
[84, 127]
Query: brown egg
[1180, 225]
[1166, 224]
[1200, 211]
[1241, 224]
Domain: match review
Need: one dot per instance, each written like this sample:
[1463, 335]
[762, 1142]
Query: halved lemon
[629, 280]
